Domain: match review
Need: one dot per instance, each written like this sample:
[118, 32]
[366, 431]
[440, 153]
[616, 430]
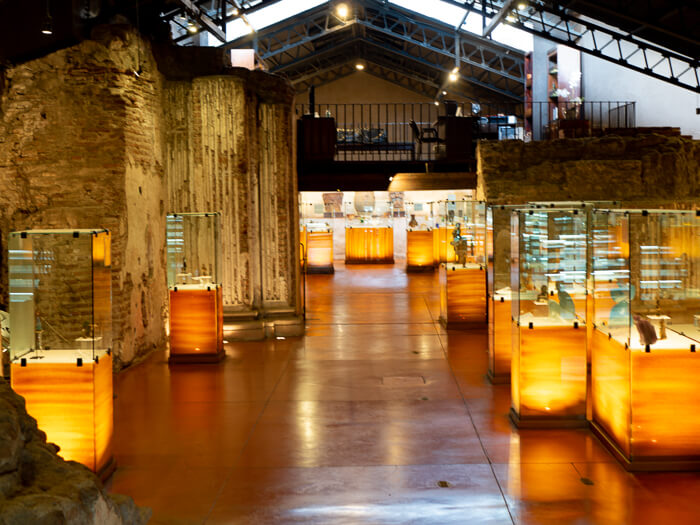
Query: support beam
[498, 18]
[207, 23]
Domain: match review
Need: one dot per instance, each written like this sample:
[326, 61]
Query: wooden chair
[424, 136]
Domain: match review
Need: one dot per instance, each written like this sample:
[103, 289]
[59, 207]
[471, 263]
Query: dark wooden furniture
[457, 134]
[316, 138]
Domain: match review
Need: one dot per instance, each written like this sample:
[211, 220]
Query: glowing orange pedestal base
[646, 405]
[443, 251]
[500, 344]
[462, 296]
[196, 325]
[319, 247]
[74, 406]
[548, 376]
[419, 251]
[369, 245]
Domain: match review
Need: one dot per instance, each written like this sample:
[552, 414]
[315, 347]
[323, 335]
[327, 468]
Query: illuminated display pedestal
[548, 376]
[196, 297]
[462, 295]
[319, 252]
[646, 405]
[61, 339]
[196, 324]
[73, 405]
[500, 333]
[369, 245]
[443, 251]
[419, 251]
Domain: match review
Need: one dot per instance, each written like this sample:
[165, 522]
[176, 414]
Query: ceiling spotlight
[436, 103]
[359, 66]
[191, 27]
[47, 27]
[453, 77]
[522, 6]
[510, 18]
[455, 69]
[444, 93]
[342, 11]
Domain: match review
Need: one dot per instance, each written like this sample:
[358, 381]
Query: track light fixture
[47, 25]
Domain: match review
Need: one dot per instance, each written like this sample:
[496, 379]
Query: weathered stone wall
[228, 148]
[80, 148]
[37, 486]
[638, 171]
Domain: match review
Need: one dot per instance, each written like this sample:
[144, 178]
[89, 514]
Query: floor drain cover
[403, 381]
[444, 484]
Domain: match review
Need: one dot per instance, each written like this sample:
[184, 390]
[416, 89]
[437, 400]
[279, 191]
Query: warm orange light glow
[369, 245]
[548, 377]
[73, 405]
[462, 295]
[443, 251]
[196, 322]
[500, 345]
[647, 403]
[319, 249]
[419, 249]
[303, 242]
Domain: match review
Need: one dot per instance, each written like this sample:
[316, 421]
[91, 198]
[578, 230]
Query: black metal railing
[384, 132]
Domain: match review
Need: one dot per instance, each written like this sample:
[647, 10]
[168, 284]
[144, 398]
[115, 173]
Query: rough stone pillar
[229, 149]
[80, 148]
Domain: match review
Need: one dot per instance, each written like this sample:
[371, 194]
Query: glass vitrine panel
[60, 295]
[369, 234]
[193, 250]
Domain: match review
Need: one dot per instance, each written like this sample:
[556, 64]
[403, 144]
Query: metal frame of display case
[196, 300]
[419, 237]
[548, 280]
[463, 285]
[644, 363]
[317, 238]
[369, 235]
[60, 345]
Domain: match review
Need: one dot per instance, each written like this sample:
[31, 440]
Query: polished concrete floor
[376, 416]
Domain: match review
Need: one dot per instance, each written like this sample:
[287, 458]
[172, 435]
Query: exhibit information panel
[196, 306]
[61, 339]
[419, 237]
[645, 363]
[548, 283]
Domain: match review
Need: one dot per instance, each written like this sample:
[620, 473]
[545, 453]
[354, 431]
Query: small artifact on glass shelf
[647, 332]
[413, 223]
[38, 331]
[463, 248]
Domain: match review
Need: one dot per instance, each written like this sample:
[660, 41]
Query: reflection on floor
[376, 416]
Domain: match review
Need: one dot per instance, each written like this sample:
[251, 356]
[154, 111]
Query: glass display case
[194, 282]
[61, 339]
[463, 281]
[317, 238]
[499, 292]
[644, 363]
[548, 283]
[419, 237]
[369, 232]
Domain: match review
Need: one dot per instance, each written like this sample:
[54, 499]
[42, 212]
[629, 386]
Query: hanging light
[453, 76]
[359, 66]
[47, 26]
[191, 26]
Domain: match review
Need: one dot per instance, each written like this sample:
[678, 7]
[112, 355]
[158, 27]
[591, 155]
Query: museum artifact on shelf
[317, 239]
[61, 339]
[645, 363]
[419, 237]
[548, 283]
[463, 282]
[369, 232]
[196, 304]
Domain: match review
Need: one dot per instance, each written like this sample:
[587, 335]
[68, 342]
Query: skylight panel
[437, 9]
[236, 29]
[279, 11]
